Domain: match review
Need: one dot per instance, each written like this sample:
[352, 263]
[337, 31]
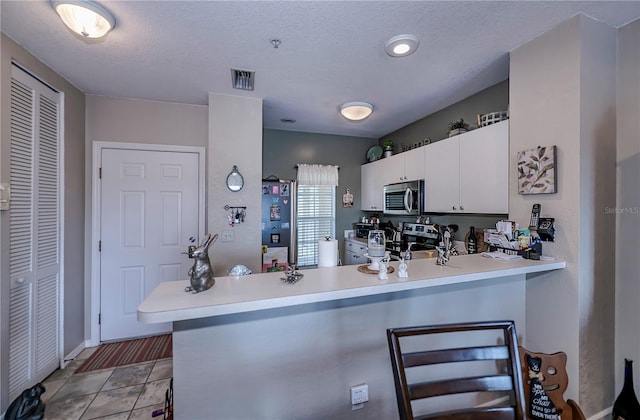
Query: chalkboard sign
[540, 407]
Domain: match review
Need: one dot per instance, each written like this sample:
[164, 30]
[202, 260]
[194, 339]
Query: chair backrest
[550, 372]
[431, 361]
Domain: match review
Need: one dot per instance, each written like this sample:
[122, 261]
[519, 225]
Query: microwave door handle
[408, 199]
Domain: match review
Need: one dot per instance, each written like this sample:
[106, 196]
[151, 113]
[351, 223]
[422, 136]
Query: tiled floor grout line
[159, 370]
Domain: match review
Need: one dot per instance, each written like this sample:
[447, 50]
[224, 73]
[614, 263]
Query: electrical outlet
[359, 394]
[227, 235]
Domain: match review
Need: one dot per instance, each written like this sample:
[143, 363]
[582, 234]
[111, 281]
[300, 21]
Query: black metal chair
[487, 365]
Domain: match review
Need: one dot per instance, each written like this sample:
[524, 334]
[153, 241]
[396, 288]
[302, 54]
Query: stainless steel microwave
[405, 198]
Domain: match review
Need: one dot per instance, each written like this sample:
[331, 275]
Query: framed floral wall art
[537, 171]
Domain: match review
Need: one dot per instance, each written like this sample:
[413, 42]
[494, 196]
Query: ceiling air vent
[242, 79]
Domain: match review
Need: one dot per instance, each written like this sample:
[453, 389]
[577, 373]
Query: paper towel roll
[327, 253]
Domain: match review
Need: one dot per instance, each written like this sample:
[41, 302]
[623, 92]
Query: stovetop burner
[398, 248]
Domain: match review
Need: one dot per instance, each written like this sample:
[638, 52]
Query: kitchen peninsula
[253, 347]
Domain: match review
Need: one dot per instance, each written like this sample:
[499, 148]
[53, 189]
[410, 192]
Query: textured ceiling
[331, 52]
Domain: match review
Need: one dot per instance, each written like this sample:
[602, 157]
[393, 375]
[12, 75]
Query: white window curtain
[316, 210]
[317, 175]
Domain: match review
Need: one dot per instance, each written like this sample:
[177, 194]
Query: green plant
[459, 123]
[388, 143]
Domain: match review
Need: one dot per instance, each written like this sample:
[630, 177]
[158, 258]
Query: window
[316, 219]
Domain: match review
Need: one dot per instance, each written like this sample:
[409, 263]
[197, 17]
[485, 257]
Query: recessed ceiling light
[356, 111]
[401, 45]
[84, 17]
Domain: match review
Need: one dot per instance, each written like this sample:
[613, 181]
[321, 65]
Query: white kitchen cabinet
[371, 186]
[354, 252]
[442, 179]
[406, 166]
[469, 173]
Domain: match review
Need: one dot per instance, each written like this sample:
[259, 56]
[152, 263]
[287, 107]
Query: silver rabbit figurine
[201, 273]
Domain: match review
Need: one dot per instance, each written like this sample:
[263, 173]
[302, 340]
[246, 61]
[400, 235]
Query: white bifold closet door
[34, 232]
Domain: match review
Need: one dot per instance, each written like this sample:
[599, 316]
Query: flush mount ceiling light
[84, 17]
[401, 45]
[356, 111]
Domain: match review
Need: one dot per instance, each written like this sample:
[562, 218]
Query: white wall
[627, 208]
[134, 121]
[562, 92]
[235, 138]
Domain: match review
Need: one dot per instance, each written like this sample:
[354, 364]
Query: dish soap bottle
[472, 241]
[626, 406]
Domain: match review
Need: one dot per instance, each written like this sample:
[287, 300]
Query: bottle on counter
[472, 241]
[626, 406]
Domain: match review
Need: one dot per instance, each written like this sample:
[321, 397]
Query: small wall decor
[236, 215]
[537, 171]
[235, 180]
[347, 199]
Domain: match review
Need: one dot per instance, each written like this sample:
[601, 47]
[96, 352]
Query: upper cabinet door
[392, 169]
[414, 164]
[442, 179]
[371, 186]
[484, 169]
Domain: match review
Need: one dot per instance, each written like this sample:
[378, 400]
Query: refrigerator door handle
[293, 241]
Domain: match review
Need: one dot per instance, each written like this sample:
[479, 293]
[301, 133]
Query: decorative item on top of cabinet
[458, 127]
[491, 118]
[388, 148]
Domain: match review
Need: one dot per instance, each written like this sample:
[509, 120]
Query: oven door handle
[408, 200]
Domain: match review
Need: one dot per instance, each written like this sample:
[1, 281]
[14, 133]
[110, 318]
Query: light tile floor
[129, 392]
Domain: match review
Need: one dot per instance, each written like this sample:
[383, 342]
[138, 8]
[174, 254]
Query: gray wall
[283, 150]
[627, 209]
[435, 126]
[74, 103]
[124, 120]
[562, 92]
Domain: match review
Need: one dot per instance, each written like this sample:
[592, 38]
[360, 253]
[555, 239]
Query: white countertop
[235, 294]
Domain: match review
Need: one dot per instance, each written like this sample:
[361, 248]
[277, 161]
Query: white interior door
[149, 216]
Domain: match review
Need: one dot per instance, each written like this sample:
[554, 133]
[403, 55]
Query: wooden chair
[552, 375]
[487, 369]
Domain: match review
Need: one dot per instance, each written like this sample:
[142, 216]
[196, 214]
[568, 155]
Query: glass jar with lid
[376, 243]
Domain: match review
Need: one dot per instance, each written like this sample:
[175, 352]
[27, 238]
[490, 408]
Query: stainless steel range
[421, 236]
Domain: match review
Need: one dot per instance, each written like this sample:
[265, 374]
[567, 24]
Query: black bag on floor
[28, 406]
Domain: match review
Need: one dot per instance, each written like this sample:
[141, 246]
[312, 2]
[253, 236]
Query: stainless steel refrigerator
[278, 224]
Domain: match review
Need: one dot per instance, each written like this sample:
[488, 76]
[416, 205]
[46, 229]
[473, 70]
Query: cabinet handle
[461, 207]
[20, 280]
[453, 207]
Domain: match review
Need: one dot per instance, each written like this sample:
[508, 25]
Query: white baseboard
[73, 354]
[601, 415]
